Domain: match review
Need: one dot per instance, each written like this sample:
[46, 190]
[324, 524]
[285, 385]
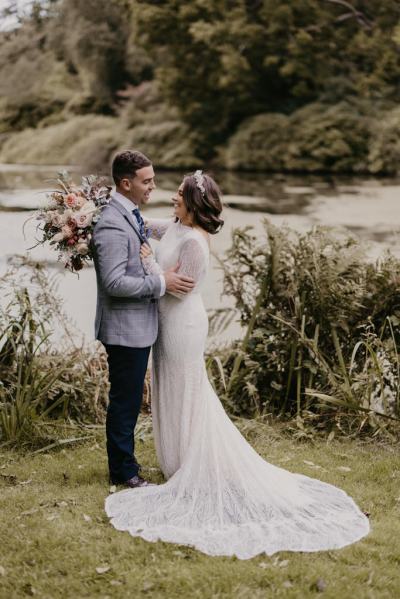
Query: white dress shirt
[129, 207]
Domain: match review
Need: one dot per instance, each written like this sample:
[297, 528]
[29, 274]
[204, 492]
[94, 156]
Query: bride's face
[180, 210]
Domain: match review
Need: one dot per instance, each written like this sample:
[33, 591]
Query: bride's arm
[156, 227]
[192, 263]
[148, 260]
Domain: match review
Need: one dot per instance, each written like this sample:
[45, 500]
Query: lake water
[368, 207]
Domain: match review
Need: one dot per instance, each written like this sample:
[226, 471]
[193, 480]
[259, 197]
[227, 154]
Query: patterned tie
[140, 222]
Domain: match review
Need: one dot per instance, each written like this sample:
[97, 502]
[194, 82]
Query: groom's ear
[125, 184]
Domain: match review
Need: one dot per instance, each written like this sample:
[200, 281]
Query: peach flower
[67, 232]
[70, 200]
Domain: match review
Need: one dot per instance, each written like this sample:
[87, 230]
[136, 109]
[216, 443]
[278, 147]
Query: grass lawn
[56, 540]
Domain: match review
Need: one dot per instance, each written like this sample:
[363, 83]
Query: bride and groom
[220, 496]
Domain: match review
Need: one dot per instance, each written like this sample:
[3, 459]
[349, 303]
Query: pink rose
[58, 237]
[70, 200]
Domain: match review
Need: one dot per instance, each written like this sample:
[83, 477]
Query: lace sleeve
[192, 262]
[150, 265]
[156, 227]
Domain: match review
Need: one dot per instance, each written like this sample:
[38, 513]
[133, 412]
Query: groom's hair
[126, 163]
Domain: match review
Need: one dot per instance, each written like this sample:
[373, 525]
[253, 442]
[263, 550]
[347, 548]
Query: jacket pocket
[128, 305]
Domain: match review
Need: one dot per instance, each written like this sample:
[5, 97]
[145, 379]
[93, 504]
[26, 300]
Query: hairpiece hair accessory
[198, 177]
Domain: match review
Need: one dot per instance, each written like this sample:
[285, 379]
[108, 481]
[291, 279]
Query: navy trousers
[127, 369]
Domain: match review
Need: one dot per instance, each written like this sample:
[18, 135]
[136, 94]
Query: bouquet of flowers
[69, 216]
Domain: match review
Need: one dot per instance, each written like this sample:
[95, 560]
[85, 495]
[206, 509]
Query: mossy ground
[55, 534]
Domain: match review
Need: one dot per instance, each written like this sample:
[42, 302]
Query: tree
[223, 60]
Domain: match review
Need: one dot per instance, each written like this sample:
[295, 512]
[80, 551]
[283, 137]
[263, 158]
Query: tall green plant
[38, 382]
[322, 326]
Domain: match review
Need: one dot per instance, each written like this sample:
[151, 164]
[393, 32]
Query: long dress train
[220, 497]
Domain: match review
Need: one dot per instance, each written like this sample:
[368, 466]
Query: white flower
[52, 204]
[57, 219]
[48, 215]
[82, 248]
[80, 201]
[82, 219]
[68, 213]
[88, 207]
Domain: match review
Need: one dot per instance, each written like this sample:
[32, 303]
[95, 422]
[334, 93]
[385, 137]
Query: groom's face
[138, 189]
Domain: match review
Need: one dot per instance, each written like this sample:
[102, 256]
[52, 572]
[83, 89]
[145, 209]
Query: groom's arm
[111, 247]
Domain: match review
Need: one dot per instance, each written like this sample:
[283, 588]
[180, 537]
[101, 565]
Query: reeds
[38, 383]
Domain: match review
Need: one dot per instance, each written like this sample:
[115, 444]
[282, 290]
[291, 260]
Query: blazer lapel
[128, 217]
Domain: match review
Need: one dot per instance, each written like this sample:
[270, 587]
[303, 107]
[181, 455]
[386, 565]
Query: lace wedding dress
[220, 496]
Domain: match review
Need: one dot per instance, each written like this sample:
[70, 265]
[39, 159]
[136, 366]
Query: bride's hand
[145, 250]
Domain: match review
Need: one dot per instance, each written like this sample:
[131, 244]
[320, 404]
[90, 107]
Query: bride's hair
[203, 201]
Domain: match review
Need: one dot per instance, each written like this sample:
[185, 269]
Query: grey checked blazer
[126, 311]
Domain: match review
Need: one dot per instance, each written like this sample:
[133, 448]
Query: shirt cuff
[163, 285]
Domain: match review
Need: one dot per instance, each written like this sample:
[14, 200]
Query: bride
[220, 496]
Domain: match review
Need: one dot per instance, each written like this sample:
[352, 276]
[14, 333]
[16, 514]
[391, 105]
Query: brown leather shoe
[137, 481]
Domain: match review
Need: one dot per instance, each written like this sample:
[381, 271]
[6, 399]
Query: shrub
[317, 137]
[65, 143]
[259, 144]
[384, 148]
[90, 141]
[328, 138]
[322, 328]
[168, 144]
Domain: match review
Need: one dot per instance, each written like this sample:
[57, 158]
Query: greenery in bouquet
[68, 218]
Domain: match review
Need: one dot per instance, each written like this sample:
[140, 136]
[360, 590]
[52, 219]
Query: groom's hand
[177, 283]
[145, 250]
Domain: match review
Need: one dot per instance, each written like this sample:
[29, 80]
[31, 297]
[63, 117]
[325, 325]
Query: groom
[126, 315]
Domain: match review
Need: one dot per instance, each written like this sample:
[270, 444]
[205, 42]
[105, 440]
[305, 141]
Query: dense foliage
[228, 60]
[255, 84]
[322, 328]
